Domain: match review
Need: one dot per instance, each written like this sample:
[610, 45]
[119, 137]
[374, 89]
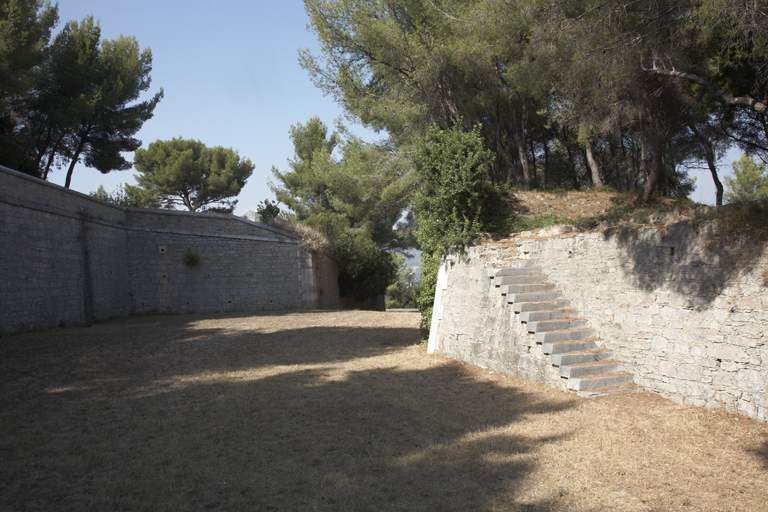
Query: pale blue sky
[231, 77]
[230, 72]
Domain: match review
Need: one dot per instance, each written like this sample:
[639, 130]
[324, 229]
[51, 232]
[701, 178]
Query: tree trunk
[503, 153]
[727, 97]
[535, 166]
[710, 157]
[656, 170]
[52, 156]
[574, 173]
[76, 156]
[545, 174]
[521, 132]
[596, 181]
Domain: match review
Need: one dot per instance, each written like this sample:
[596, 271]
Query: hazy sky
[230, 72]
[231, 77]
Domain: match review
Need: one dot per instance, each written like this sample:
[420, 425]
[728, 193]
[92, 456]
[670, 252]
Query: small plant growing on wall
[191, 257]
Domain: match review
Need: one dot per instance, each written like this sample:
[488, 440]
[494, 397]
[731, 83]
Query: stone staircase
[591, 370]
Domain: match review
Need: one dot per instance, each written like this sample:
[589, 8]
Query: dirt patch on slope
[570, 204]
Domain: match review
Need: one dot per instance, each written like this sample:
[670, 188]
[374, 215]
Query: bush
[267, 210]
[430, 266]
[365, 270]
[451, 204]
[403, 292]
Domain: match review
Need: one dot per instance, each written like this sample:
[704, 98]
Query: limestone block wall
[688, 316]
[325, 285]
[472, 322]
[67, 259]
[61, 256]
[233, 273]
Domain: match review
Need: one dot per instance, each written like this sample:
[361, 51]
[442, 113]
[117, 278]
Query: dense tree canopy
[71, 98]
[355, 194]
[567, 94]
[129, 196]
[367, 186]
[749, 181]
[477, 95]
[187, 173]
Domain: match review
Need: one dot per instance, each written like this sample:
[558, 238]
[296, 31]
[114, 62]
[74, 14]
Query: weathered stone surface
[585, 356]
[68, 259]
[592, 368]
[571, 345]
[690, 324]
[524, 279]
[555, 325]
[522, 307]
[599, 381]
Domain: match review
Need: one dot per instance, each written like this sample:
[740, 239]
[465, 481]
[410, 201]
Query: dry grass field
[338, 411]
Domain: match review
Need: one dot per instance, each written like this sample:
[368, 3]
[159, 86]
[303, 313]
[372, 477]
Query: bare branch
[727, 97]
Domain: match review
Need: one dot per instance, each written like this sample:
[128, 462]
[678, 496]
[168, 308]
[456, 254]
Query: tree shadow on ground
[685, 258]
[762, 454]
[331, 418]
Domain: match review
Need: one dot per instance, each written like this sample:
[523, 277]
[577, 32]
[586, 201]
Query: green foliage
[129, 196]
[568, 94]
[191, 257]
[365, 270]
[404, 291]
[188, 173]
[367, 186]
[303, 189]
[450, 205]
[81, 104]
[355, 200]
[742, 220]
[267, 210]
[506, 224]
[628, 94]
[749, 181]
[25, 31]
[430, 266]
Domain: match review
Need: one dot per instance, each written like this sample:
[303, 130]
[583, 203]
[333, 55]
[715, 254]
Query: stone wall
[688, 316]
[66, 258]
[472, 322]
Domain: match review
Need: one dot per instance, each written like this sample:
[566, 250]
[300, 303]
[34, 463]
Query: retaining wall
[67, 258]
[688, 316]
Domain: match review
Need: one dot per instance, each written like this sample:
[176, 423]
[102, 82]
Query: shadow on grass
[309, 418]
[762, 454]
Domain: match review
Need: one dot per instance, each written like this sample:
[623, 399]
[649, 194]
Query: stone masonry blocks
[688, 322]
[67, 259]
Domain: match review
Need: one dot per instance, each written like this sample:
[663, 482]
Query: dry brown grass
[338, 411]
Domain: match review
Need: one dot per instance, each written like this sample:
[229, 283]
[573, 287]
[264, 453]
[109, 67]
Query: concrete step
[509, 289]
[532, 296]
[591, 368]
[522, 279]
[552, 314]
[603, 380]
[539, 305]
[509, 263]
[515, 271]
[563, 335]
[583, 356]
[624, 388]
[556, 325]
[559, 347]
[497, 258]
